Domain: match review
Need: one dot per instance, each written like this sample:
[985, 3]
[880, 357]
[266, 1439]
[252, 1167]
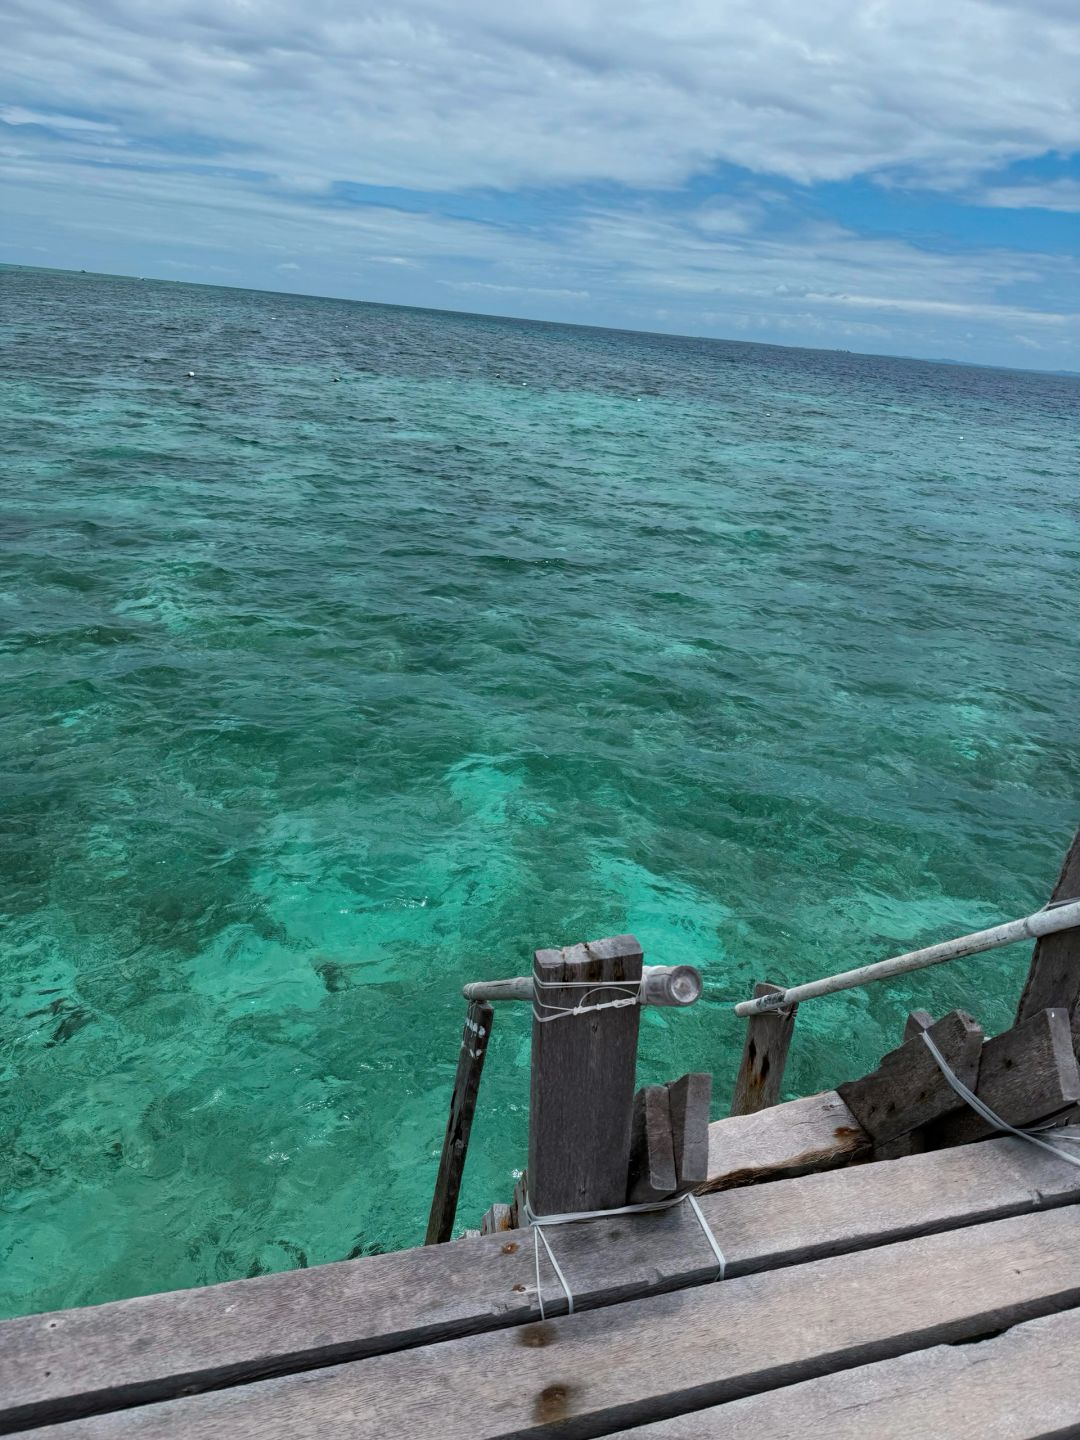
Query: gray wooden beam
[1054, 976]
[1023, 1385]
[907, 1089]
[765, 1052]
[651, 1174]
[585, 1375]
[74, 1362]
[470, 1067]
[818, 1132]
[582, 1078]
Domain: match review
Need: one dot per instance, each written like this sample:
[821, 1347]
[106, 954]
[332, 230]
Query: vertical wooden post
[768, 1039]
[582, 1086]
[1054, 977]
[474, 1043]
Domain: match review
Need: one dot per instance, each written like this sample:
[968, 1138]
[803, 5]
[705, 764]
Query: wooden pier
[874, 1261]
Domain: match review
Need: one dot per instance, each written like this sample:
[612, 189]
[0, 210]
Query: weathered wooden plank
[1023, 1385]
[583, 1375]
[77, 1361]
[474, 1043]
[518, 1217]
[651, 1174]
[907, 1089]
[582, 1080]
[1054, 976]
[917, 1022]
[689, 1098]
[1029, 1073]
[496, 1219]
[818, 1132]
[765, 1052]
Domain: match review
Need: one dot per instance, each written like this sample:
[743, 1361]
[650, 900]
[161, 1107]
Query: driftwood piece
[765, 1052]
[582, 1375]
[582, 1080]
[818, 1132]
[1054, 976]
[995, 1390]
[496, 1219]
[907, 1089]
[474, 1043]
[651, 1173]
[75, 1362]
[1027, 1074]
[689, 1098]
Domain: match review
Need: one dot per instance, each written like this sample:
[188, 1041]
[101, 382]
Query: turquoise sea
[393, 644]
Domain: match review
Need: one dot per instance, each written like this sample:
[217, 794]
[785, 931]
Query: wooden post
[768, 1039]
[1054, 977]
[582, 1086]
[474, 1043]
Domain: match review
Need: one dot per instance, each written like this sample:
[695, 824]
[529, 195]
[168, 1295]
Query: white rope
[633, 993]
[989, 1115]
[539, 1222]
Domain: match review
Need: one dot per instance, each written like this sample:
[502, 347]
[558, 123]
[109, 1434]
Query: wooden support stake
[582, 1084]
[907, 1089]
[496, 1218]
[689, 1098]
[1027, 1074]
[474, 1043]
[917, 1022]
[1054, 977]
[768, 1039]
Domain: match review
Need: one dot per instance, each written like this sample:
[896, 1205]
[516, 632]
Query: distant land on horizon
[539, 320]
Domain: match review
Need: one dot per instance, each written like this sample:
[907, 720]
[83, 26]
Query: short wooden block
[651, 1173]
[689, 1098]
[496, 1218]
[908, 1089]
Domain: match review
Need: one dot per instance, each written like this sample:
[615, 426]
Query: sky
[895, 176]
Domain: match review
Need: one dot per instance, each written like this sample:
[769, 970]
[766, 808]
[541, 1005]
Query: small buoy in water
[191, 374]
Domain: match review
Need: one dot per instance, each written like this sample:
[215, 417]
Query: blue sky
[882, 175]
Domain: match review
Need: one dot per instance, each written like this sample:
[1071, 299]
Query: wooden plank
[1054, 976]
[1027, 1074]
[907, 1089]
[917, 1022]
[689, 1098]
[584, 1375]
[765, 1052]
[818, 1132]
[1023, 1385]
[518, 1217]
[651, 1174]
[470, 1067]
[77, 1361]
[496, 1219]
[582, 1080]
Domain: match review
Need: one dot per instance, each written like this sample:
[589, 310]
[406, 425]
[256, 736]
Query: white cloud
[1063, 195]
[442, 94]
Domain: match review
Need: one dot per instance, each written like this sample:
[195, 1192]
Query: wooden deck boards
[826, 1272]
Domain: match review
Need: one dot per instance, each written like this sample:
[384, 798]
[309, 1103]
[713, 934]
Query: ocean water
[394, 644]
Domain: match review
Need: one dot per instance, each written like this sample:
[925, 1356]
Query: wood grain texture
[1023, 1385]
[818, 1132]
[1027, 1074]
[651, 1174]
[689, 1099]
[470, 1067]
[907, 1089]
[765, 1052]
[582, 1080]
[496, 1218]
[583, 1375]
[76, 1361]
[1054, 976]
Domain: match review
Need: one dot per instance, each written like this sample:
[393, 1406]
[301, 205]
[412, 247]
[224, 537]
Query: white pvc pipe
[661, 985]
[1043, 922]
